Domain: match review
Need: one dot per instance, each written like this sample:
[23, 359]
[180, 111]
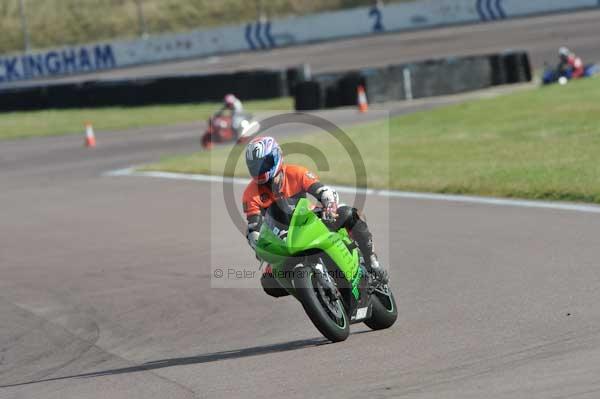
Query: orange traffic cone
[90, 138]
[363, 104]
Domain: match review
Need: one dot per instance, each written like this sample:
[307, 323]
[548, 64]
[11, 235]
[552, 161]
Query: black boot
[350, 218]
[376, 269]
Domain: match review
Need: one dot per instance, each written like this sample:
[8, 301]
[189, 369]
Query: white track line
[562, 206]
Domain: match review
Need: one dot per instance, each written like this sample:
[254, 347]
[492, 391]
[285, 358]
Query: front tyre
[384, 310]
[206, 141]
[320, 303]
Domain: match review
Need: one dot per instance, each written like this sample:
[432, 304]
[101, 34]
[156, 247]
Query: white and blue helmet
[263, 158]
[564, 52]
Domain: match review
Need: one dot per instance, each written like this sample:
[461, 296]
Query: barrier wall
[264, 35]
[136, 92]
[416, 80]
[391, 83]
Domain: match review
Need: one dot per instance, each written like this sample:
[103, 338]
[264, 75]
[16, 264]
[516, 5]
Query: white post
[407, 84]
[260, 11]
[26, 43]
[141, 20]
[307, 71]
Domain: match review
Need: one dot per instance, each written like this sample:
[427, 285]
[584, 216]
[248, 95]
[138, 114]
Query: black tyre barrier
[332, 97]
[24, 99]
[110, 93]
[347, 88]
[518, 68]
[308, 96]
[391, 83]
[450, 76]
[258, 84]
[510, 67]
[295, 75]
[426, 79]
[385, 84]
[526, 67]
[330, 93]
[136, 92]
[498, 70]
[61, 96]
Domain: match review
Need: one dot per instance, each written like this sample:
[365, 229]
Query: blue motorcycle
[553, 75]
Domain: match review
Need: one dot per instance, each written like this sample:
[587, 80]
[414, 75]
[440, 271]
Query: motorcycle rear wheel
[321, 310]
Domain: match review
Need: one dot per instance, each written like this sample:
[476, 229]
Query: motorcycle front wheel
[384, 310]
[323, 307]
[206, 141]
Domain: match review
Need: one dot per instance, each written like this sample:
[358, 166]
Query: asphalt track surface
[105, 291]
[540, 36]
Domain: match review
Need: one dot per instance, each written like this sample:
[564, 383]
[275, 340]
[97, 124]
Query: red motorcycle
[220, 130]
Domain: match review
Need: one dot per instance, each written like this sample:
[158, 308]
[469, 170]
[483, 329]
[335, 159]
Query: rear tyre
[325, 310]
[384, 311]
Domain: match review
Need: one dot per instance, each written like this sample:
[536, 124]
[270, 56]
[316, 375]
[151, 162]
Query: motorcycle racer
[570, 64]
[233, 105]
[276, 188]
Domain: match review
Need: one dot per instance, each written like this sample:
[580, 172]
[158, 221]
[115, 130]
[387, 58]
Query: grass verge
[539, 144]
[56, 122]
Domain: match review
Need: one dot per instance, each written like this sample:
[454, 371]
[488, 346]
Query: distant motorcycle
[220, 130]
[552, 75]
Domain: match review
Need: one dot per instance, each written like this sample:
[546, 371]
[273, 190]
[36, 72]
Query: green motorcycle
[325, 271]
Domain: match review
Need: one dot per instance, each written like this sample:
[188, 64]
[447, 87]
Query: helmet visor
[261, 166]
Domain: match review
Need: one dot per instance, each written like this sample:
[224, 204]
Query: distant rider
[570, 64]
[275, 190]
[234, 106]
